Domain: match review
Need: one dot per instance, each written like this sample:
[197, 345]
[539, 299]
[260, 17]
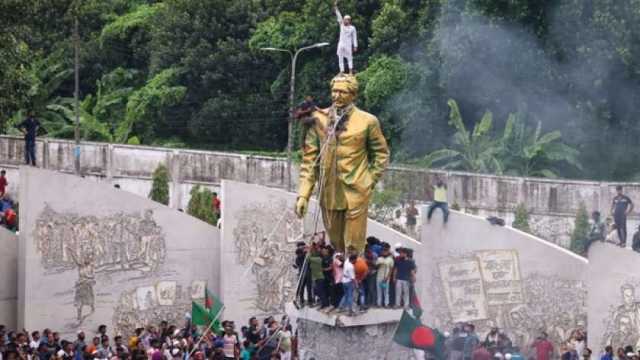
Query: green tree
[160, 185]
[475, 151]
[521, 220]
[200, 205]
[528, 152]
[46, 76]
[145, 106]
[580, 234]
[389, 28]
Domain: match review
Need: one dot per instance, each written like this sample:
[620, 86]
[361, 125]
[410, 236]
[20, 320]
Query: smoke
[569, 75]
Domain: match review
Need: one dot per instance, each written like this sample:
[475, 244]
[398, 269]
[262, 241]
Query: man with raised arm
[348, 43]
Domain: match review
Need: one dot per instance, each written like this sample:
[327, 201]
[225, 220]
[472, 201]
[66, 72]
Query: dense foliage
[160, 185]
[201, 205]
[557, 81]
[521, 219]
[580, 235]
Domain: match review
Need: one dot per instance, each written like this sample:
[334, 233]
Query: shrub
[579, 237]
[521, 221]
[200, 205]
[160, 187]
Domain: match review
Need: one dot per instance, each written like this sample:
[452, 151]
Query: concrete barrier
[8, 278]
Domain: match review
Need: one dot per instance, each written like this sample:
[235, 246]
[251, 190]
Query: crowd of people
[271, 340]
[463, 343]
[349, 283]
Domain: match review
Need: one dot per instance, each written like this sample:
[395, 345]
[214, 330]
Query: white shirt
[349, 272]
[348, 35]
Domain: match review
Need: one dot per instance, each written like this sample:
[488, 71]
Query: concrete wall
[552, 203]
[498, 276]
[8, 278]
[614, 297]
[259, 234]
[91, 254]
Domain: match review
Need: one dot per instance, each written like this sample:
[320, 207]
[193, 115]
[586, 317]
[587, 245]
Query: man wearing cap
[348, 43]
[346, 152]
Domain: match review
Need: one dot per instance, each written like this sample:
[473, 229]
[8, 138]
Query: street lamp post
[292, 89]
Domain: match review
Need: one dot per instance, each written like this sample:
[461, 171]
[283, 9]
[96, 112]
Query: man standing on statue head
[348, 43]
[346, 153]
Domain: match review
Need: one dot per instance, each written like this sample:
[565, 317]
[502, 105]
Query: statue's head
[344, 90]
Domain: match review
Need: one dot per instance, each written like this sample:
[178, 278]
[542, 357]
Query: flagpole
[215, 318]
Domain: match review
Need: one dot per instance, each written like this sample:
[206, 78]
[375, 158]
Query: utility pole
[76, 95]
[292, 91]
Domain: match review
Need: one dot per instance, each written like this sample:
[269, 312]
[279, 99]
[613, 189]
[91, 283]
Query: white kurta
[348, 38]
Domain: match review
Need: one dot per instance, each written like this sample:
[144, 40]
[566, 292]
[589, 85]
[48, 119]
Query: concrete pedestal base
[366, 336]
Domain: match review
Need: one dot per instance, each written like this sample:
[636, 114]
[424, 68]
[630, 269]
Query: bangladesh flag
[413, 334]
[212, 303]
[200, 315]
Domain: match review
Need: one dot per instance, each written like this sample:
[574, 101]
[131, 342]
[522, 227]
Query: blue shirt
[607, 357]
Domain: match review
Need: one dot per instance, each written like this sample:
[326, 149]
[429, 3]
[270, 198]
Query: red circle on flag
[422, 336]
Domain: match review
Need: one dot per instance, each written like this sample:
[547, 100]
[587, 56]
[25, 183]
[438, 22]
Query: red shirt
[481, 354]
[3, 185]
[216, 204]
[10, 217]
[544, 349]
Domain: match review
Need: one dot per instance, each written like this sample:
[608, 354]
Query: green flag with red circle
[413, 334]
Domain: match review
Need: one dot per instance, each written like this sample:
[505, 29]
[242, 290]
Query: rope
[321, 181]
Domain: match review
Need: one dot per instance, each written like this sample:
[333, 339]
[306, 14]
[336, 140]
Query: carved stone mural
[373, 342]
[165, 300]
[266, 248]
[95, 246]
[622, 326]
[487, 288]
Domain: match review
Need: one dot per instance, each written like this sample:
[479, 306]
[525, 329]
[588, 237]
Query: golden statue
[346, 153]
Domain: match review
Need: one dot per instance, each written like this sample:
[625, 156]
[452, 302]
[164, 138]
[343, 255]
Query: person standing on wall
[412, 216]
[348, 43]
[29, 127]
[621, 207]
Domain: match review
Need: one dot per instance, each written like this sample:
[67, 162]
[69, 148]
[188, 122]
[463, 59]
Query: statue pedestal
[366, 336]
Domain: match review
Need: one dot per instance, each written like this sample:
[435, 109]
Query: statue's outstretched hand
[301, 207]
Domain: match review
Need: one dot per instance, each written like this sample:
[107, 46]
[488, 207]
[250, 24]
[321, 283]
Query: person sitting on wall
[612, 236]
[439, 200]
[597, 231]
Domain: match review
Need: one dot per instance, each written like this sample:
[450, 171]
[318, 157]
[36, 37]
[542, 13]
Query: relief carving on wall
[148, 305]
[265, 238]
[487, 288]
[97, 245]
[622, 325]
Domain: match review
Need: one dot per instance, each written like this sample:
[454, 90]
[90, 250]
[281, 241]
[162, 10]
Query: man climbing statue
[346, 153]
[348, 43]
